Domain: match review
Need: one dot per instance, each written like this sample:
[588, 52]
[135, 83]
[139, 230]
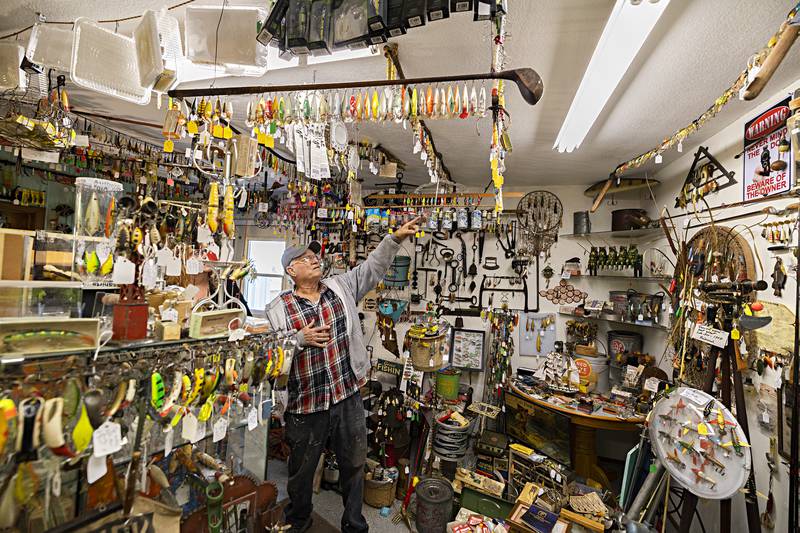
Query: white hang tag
[149, 274]
[182, 494]
[236, 334]
[95, 468]
[169, 315]
[252, 419]
[189, 426]
[203, 234]
[193, 266]
[200, 433]
[107, 439]
[169, 437]
[299, 150]
[124, 272]
[174, 266]
[163, 257]
[242, 199]
[213, 248]
[220, 429]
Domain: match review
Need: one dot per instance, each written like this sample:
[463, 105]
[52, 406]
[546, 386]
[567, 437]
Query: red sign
[767, 123]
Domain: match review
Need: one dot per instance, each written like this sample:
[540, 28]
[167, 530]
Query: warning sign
[768, 164]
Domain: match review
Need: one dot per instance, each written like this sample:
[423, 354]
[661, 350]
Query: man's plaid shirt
[320, 377]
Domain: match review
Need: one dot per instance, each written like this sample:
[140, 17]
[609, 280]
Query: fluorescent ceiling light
[626, 31]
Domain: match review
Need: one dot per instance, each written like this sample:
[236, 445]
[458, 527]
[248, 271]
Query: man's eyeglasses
[308, 259]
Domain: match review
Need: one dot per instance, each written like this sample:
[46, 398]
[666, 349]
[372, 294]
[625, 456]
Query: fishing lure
[91, 261]
[213, 207]
[375, 104]
[91, 220]
[429, 102]
[110, 213]
[464, 104]
[108, 265]
[414, 103]
[137, 237]
[156, 390]
[227, 218]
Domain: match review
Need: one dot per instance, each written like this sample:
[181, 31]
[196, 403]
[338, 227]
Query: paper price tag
[252, 419]
[163, 256]
[169, 315]
[566, 275]
[242, 199]
[95, 468]
[765, 417]
[55, 483]
[694, 396]
[189, 427]
[322, 212]
[200, 433]
[149, 274]
[174, 266]
[219, 429]
[107, 439]
[169, 437]
[263, 207]
[124, 272]
[193, 266]
[203, 234]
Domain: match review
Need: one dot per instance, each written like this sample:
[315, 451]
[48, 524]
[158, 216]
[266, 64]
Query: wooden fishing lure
[91, 220]
[213, 207]
[227, 218]
[91, 261]
[110, 214]
[108, 265]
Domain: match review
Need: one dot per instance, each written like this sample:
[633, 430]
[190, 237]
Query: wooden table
[584, 434]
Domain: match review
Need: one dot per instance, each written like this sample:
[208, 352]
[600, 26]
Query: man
[329, 366]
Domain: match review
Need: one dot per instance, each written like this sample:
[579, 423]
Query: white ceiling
[695, 52]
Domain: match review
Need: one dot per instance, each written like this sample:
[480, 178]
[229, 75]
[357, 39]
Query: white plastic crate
[11, 76]
[158, 46]
[237, 50]
[106, 62]
[50, 46]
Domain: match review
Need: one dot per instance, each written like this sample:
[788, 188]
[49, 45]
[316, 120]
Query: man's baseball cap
[293, 252]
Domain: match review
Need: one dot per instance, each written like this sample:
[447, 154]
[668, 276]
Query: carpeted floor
[328, 507]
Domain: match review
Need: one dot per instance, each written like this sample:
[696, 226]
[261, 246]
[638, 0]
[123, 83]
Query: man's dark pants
[307, 435]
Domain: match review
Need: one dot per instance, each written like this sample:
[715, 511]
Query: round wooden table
[584, 434]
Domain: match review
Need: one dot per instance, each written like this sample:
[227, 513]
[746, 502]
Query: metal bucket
[434, 505]
[581, 223]
[624, 341]
[619, 300]
[447, 380]
[397, 275]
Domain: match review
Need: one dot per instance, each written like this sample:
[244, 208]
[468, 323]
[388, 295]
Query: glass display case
[20, 299]
[96, 206]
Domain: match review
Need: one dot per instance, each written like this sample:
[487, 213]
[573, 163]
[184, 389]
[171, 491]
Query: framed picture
[466, 349]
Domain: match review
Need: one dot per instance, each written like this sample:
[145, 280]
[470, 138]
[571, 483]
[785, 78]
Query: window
[266, 256]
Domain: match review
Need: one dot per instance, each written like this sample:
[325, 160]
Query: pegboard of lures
[537, 334]
[700, 443]
[779, 232]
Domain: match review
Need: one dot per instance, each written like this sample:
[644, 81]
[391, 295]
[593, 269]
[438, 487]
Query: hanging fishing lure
[213, 207]
[429, 102]
[227, 217]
